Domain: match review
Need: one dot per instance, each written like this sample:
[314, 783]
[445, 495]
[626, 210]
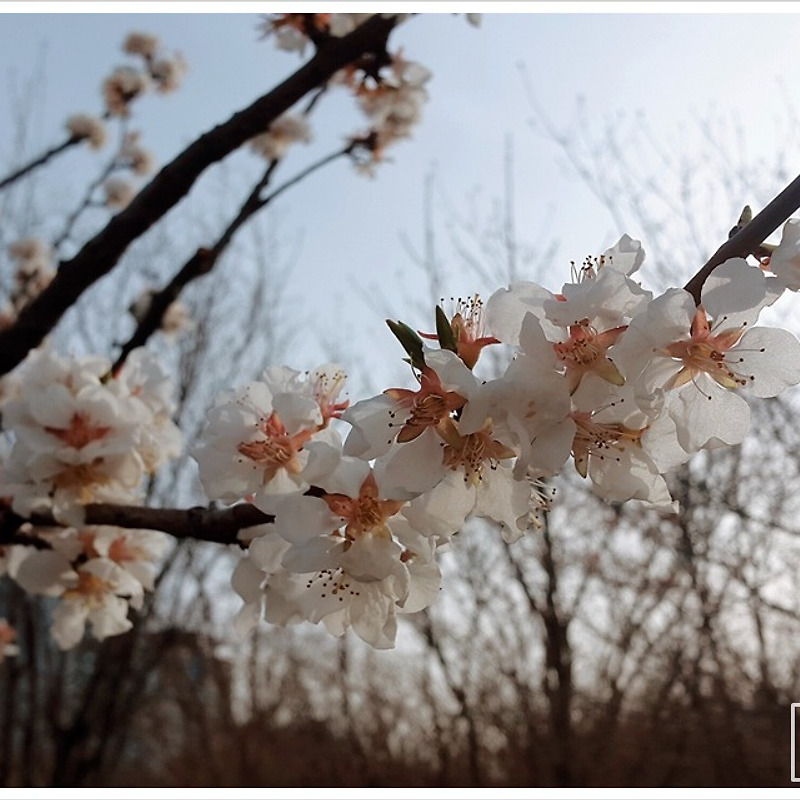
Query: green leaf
[444, 330]
[410, 341]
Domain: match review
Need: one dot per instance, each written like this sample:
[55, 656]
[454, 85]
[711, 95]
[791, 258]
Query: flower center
[472, 452]
[332, 582]
[80, 431]
[365, 512]
[601, 440]
[709, 355]
[581, 348]
[91, 590]
[278, 450]
[122, 550]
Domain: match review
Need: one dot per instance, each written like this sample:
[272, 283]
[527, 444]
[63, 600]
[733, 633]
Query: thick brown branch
[203, 524]
[101, 253]
[751, 236]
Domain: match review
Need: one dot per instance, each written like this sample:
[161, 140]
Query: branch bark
[751, 236]
[203, 524]
[100, 254]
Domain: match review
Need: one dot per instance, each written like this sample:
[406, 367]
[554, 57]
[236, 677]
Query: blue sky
[670, 68]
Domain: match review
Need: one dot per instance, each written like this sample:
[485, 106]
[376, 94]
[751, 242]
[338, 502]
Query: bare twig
[204, 260]
[37, 162]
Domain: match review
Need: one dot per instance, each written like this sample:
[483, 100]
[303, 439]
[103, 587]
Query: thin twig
[37, 162]
[204, 260]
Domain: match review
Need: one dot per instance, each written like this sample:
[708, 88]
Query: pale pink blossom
[699, 360]
[283, 132]
[142, 44]
[83, 436]
[785, 259]
[123, 86]
[168, 72]
[97, 591]
[585, 320]
[353, 560]
[87, 127]
[119, 192]
[134, 156]
[258, 441]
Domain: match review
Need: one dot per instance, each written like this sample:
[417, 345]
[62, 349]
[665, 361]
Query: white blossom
[88, 127]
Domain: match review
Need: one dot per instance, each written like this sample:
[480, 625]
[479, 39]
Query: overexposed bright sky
[671, 68]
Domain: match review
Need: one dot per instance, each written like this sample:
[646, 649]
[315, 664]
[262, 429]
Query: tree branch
[37, 162]
[203, 524]
[751, 236]
[204, 260]
[100, 254]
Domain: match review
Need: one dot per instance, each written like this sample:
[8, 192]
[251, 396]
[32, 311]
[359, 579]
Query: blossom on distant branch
[142, 44]
[283, 132]
[120, 88]
[83, 436]
[87, 127]
[119, 192]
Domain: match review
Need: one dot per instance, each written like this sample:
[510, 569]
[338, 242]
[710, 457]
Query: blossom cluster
[126, 83]
[390, 94]
[97, 572]
[33, 272]
[362, 498]
[625, 385]
[77, 434]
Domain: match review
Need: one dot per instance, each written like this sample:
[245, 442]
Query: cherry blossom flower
[785, 259]
[258, 441]
[289, 30]
[393, 106]
[144, 379]
[622, 450]
[353, 560]
[142, 44]
[119, 192]
[138, 552]
[585, 319]
[283, 132]
[168, 73]
[476, 479]
[177, 318]
[33, 274]
[533, 401]
[404, 414]
[699, 360]
[134, 156]
[97, 572]
[468, 331]
[87, 127]
[123, 86]
[97, 591]
[82, 436]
